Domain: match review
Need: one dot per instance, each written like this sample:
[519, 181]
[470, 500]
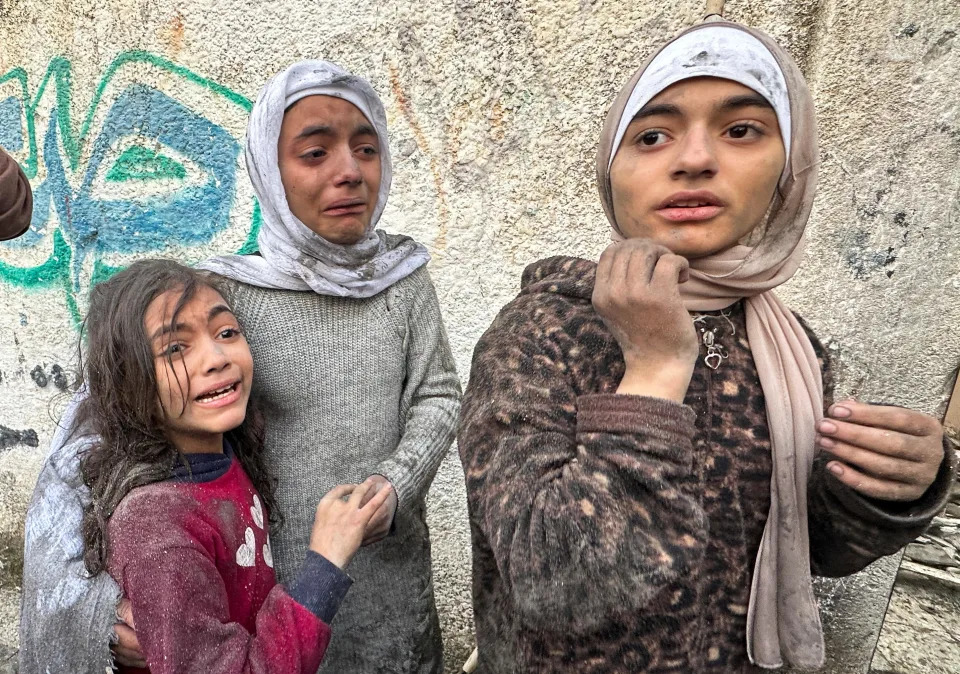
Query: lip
[353, 206]
[228, 399]
[709, 206]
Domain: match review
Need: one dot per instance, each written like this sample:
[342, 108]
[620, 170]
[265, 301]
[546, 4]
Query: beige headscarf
[783, 624]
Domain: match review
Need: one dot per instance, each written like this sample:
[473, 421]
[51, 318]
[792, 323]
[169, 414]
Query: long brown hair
[121, 404]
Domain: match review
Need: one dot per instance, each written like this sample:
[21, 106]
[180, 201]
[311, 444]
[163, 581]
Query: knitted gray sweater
[351, 387]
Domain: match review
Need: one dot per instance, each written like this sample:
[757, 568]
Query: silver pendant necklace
[715, 354]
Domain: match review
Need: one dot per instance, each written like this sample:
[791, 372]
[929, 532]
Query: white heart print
[257, 511]
[268, 552]
[247, 553]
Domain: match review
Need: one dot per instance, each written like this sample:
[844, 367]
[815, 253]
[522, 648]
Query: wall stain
[909, 30]
[59, 377]
[41, 377]
[173, 33]
[424, 145]
[11, 438]
[38, 376]
[940, 48]
[865, 262]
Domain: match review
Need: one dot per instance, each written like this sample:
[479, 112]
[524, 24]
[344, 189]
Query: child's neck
[199, 443]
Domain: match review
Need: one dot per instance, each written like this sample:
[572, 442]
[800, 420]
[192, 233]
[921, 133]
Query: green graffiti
[143, 163]
[250, 245]
[55, 269]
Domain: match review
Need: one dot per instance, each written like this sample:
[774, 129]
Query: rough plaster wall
[494, 108]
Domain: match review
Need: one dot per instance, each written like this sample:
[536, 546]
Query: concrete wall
[129, 114]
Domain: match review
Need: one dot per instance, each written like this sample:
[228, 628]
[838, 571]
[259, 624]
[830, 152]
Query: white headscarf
[722, 51]
[292, 257]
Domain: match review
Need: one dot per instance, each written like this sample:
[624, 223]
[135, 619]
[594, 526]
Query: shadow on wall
[152, 170]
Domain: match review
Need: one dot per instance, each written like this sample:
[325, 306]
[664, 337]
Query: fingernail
[840, 412]
[835, 468]
[826, 443]
[827, 427]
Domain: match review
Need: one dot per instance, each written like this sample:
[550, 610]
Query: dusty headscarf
[292, 257]
[783, 624]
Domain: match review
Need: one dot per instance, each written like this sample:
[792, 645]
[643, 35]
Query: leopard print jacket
[617, 533]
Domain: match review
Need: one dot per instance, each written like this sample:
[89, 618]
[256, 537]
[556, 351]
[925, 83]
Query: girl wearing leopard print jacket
[651, 478]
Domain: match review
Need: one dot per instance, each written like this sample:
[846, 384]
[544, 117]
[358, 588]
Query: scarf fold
[292, 257]
[783, 622]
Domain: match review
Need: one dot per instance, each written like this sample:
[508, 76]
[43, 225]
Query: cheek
[628, 198]
[171, 386]
[372, 177]
[767, 175]
[632, 172]
[297, 182]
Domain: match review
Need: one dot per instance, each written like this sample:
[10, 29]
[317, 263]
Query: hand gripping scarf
[292, 257]
[783, 624]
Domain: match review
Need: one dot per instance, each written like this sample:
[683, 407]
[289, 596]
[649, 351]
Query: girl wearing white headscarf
[639, 436]
[355, 374]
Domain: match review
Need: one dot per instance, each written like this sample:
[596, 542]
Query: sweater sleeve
[181, 604]
[430, 403]
[16, 199]
[66, 617]
[580, 496]
[849, 531]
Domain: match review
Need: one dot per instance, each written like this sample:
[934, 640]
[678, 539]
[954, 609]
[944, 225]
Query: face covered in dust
[697, 167]
[329, 158]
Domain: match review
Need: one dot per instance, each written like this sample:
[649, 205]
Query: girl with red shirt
[181, 496]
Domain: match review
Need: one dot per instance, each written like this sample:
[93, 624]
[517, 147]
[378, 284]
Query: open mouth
[218, 394]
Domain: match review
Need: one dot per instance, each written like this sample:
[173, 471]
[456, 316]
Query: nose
[347, 169]
[695, 156]
[215, 358]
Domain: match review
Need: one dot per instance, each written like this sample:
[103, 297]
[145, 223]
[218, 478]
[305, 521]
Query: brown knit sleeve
[574, 492]
[16, 199]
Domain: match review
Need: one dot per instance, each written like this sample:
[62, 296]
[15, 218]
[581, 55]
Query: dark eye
[369, 150]
[743, 131]
[652, 138]
[229, 333]
[173, 349]
[315, 154]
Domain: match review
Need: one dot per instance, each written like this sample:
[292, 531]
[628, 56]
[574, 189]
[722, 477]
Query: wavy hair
[121, 405]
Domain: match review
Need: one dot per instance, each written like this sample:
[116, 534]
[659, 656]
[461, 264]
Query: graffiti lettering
[152, 170]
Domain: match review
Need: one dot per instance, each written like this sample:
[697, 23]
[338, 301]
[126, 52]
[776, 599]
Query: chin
[341, 233]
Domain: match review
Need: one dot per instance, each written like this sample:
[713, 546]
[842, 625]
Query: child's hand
[884, 452]
[379, 525]
[637, 295]
[126, 649]
[340, 522]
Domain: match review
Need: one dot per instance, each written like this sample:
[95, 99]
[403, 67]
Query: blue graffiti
[158, 174]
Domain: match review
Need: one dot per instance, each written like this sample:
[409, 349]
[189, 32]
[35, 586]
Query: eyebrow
[727, 105]
[315, 130]
[183, 327]
[666, 109]
[744, 101]
[326, 130]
